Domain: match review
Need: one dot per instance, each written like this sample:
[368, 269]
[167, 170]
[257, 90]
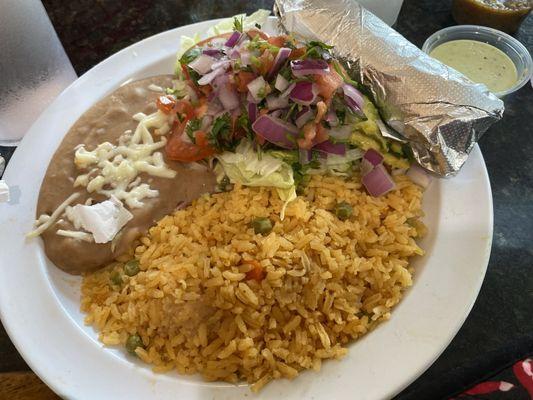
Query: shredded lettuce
[338, 165]
[244, 166]
[226, 25]
[289, 156]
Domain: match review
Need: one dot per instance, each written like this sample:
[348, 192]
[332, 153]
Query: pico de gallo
[285, 107]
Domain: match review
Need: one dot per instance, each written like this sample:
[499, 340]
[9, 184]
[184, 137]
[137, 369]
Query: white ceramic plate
[39, 305]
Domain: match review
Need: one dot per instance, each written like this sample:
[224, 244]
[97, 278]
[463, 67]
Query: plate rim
[59, 388]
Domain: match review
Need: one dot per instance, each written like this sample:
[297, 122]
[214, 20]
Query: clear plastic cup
[386, 10]
[34, 68]
[515, 50]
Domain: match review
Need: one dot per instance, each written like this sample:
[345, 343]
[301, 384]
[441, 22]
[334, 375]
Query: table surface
[499, 329]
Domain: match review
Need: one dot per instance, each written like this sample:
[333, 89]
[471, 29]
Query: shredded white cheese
[53, 218]
[155, 88]
[115, 169]
[139, 116]
[41, 220]
[86, 237]
[104, 220]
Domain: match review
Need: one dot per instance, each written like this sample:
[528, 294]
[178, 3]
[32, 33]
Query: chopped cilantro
[194, 75]
[238, 24]
[192, 126]
[291, 110]
[300, 172]
[317, 49]
[221, 136]
[190, 55]
[255, 61]
[286, 72]
[322, 45]
[224, 183]
[344, 76]
[244, 122]
[261, 93]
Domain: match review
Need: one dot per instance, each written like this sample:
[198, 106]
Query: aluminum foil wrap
[438, 111]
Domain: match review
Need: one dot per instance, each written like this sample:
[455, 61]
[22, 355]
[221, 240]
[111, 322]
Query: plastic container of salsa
[504, 15]
[488, 53]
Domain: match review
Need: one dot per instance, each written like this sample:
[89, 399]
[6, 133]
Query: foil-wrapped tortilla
[438, 111]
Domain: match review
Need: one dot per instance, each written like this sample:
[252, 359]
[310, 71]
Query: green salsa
[480, 62]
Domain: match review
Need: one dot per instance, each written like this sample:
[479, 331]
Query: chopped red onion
[220, 80]
[245, 57]
[305, 156]
[228, 97]
[331, 148]
[304, 116]
[398, 171]
[353, 98]
[304, 93]
[274, 102]
[206, 122]
[236, 112]
[202, 64]
[214, 107]
[309, 67]
[371, 159]
[250, 99]
[210, 51]
[281, 57]
[419, 176]
[288, 91]
[208, 78]
[256, 86]
[252, 112]
[221, 64]
[233, 39]
[340, 132]
[332, 119]
[378, 181]
[234, 54]
[276, 113]
[276, 131]
[281, 83]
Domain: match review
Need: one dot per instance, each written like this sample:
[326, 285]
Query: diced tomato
[201, 108]
[205, 89]
[313, 134]
[297, 53]
[256, 32]
[260, 139]
[242, 79]
[191, 83]
[179, 150]
[278, 41]
[257, 273]
[309, 131]
[328, 83]
[185, 109]
[201, 139]
[166, 104]
[321, 109]
[321, 134]
[266, 59]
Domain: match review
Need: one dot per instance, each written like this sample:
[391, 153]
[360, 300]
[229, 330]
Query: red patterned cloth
[513, 383]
